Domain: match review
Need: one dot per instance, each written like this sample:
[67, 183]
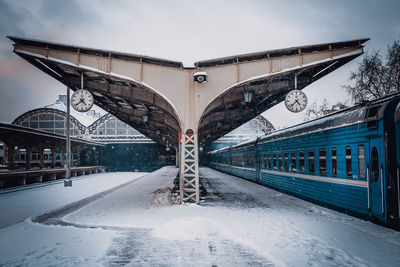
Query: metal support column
[41, 155]
[53, 160]
[67, 181]
[62, 156]
[28, 156]
[177, 157]
[189, 191]
[10, 155]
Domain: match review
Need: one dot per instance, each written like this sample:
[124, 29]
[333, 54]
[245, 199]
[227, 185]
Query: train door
[375, 178]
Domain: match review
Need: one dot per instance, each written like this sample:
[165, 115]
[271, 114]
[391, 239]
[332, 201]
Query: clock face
[82, 100]
[296, 101]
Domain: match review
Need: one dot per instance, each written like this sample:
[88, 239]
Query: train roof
[247, 143]
[220, 150]
[350, 116]
[371, 110]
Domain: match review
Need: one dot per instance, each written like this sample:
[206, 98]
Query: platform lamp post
[82, 101]
[68, 181]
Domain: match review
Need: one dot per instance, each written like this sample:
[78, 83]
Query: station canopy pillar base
[189, 167]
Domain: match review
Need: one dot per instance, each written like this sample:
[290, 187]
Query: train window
[311, 163]
[252, 160]
[274, 160]
[286, 155]
[334, 162]
[372, 112]
[265, 160]
[269, 161]
[375, 164]
[301, 161]
[371, 116]
[349, 171]
[361, 161]
[322, 162]
[293, 156]
[280, 161]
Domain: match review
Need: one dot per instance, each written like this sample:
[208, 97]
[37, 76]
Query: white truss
[189, 186]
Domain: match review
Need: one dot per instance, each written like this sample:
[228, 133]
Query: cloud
[186, 31]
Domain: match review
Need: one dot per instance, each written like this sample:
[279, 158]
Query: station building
[113, 143]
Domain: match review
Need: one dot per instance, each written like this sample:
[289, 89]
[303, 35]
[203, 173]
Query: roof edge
[94, 51]
[278, 52]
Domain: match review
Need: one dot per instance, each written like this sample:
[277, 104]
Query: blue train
[348, 160]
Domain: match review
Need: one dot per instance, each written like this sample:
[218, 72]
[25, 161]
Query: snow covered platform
[240, 223]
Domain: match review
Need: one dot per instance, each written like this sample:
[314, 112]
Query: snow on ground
[32, 244]
[240, 223]
[17, 206]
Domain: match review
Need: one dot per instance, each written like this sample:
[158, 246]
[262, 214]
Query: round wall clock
[82, 100]
[296, 101]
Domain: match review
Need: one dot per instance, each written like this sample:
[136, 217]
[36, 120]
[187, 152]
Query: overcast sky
[186, 31]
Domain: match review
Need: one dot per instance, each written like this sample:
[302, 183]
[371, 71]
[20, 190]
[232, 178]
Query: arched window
[49, 120]
[111, 126]
[349, 169]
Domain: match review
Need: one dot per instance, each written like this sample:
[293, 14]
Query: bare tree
[393, 64]
[316, 110]
[375, 78]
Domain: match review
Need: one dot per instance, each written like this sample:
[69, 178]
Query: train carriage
[348, 160]
[397, 168]
[243, 160]
[220, 159]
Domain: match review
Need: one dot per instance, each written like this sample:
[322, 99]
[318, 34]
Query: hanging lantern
[145, 118]
[247, 96]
